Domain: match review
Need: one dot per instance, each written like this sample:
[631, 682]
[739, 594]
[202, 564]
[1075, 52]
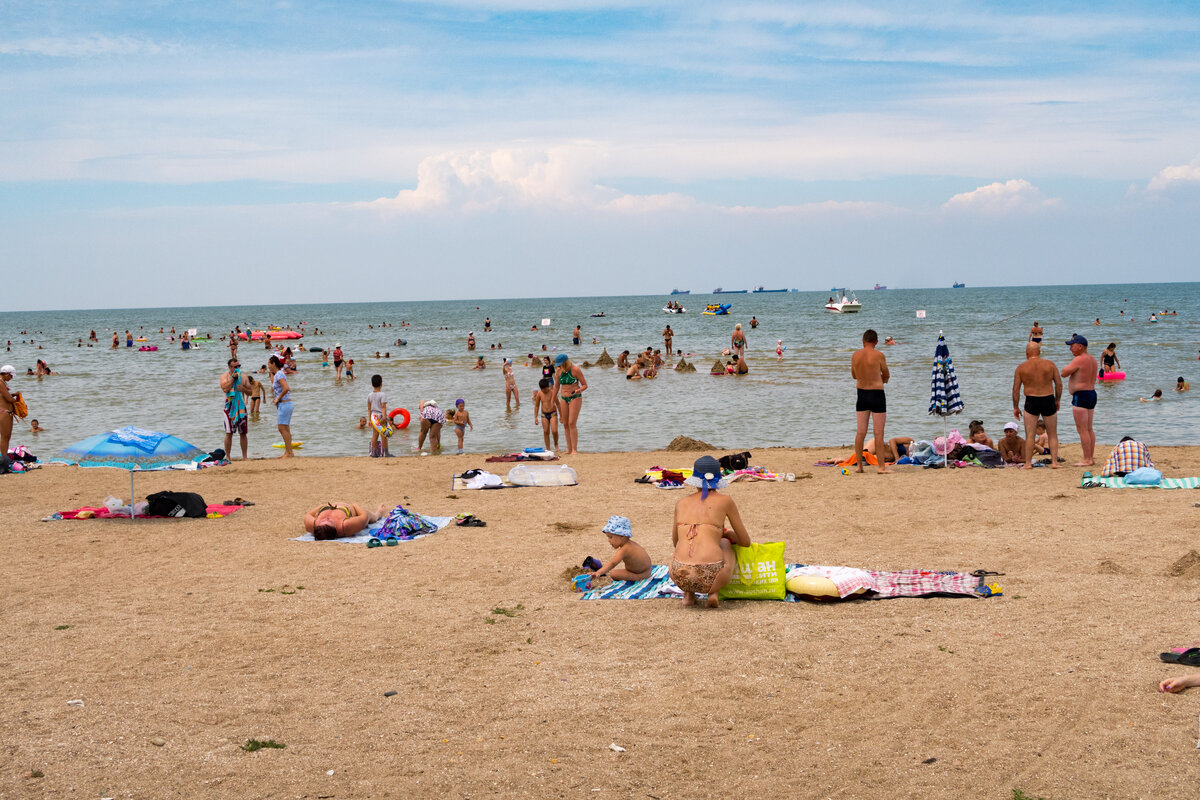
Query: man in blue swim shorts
[1081, 383]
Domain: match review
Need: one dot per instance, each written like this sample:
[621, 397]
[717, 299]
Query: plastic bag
[760, 574]
[113, 503]
[542, 475]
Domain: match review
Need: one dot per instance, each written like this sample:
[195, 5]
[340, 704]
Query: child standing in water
[462, 418]
[377, 413]
[546, 403]
[633, 555]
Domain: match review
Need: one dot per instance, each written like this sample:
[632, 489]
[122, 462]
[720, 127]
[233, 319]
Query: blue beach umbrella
[129, 448]
[943, 388]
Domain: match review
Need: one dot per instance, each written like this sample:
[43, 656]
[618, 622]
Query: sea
[805, 399]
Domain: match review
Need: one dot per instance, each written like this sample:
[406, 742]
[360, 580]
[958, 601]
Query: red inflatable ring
[403, 412]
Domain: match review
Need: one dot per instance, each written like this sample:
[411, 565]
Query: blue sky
[395, 150]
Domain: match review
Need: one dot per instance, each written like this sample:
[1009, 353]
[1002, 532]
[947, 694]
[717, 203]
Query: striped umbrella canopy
[129, 448]
[944, 399]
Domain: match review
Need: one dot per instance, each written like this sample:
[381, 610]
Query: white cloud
[1015, 195]
[85, 46]
[511, 178]
[1176, 176]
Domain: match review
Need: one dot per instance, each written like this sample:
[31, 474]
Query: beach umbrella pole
[132, 507]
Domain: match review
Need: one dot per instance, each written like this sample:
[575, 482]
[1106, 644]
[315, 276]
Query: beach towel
[903, 583]
[851, 460]
[1114, 482]
[93, 512]
[372, 531]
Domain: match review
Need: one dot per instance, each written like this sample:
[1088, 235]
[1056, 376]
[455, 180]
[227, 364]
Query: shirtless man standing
[1081, 383]
[7, 406]
[1043, 390]
[869, 369]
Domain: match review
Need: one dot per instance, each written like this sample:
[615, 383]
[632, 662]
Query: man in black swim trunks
[1043, 390]
[1081, 383]
[869, 369]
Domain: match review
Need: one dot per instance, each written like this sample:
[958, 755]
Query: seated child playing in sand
[1041, 439]
[633, 555]
[703, 561]
[339, 520]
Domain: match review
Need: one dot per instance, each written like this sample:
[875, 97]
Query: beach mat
[369, 532]
[212, 511]
[902, 583]
[1113, 482]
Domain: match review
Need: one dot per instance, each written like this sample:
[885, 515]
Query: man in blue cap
[1081, 383]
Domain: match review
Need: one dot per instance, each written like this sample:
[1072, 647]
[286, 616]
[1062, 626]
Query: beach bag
[1144, 476]
[176, 504]
[760, 574]
[404, 524]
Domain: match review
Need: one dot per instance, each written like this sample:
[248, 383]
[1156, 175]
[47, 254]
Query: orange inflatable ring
[403, 412]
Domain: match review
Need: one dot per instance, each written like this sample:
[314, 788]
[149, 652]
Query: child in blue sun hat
[634, 557]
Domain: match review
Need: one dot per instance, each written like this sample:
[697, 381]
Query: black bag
[735, 461]
[176, 504]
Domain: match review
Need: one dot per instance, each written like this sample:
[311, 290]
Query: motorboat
[716, 309]
[675, 309]
[761, 290]
[958, 285]
[879, 287]
[681, 291]
[848, 304]
[719, 290]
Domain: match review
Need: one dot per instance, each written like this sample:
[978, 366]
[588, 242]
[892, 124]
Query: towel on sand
[367, 533]
[904, 583]
[104, 513]
[1114, 482]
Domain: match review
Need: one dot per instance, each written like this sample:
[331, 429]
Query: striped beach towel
[904, 583]
[1114, 482]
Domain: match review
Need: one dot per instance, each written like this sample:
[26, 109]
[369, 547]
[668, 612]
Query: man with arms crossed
[1081, 383]
[1043, 389]
[870, 372]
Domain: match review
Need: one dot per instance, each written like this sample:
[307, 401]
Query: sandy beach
[186, 638]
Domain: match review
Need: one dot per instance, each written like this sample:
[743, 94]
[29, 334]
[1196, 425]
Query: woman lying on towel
[703, 561]
[339, 520]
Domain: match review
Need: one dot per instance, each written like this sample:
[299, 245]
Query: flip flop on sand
[469, 521]
[1189, 657]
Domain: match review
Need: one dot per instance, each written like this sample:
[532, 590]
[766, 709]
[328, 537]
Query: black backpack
[176, 504]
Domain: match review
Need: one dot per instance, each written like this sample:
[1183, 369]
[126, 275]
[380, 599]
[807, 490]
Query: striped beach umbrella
[944, 399]
[129, 448]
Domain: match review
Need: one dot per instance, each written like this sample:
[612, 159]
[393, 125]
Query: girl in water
[571, 385]
[703, 561]
[510, 386]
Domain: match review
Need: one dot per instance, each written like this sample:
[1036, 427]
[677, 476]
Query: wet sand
[196, 634]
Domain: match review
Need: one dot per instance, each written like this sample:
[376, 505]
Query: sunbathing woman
[703, 561]
[339, 520]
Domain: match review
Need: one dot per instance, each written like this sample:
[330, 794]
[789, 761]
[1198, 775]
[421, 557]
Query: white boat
[848, 304]
[679, 310]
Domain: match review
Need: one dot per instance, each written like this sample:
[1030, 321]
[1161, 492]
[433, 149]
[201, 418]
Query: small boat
[716, 309]
[879, 287]
[719, 290]
[601, 314]
[681, 291]
[675, 310]
[848, 304]
[958, 285]
[761, 290]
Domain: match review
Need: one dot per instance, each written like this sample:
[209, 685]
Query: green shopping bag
[760, 574]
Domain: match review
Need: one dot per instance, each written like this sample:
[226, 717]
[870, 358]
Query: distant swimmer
[1081, 375]
[1156, 396]
[1035, 333]
[753, 323]
[1153, 318]
[890, 340]
[869, 369]
[470, 340]
[1043, 391]
[1180, 386]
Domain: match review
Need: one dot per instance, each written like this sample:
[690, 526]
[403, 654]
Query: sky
[233, 152]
